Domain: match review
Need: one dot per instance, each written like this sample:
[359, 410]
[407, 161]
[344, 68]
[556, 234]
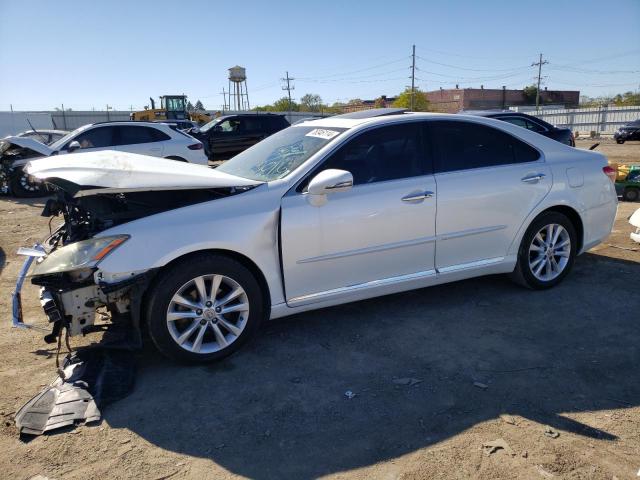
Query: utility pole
[224, 99]
[288, 88]
[539, 64]
[413, 76]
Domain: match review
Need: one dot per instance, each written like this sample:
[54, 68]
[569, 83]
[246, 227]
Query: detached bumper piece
[93, 378]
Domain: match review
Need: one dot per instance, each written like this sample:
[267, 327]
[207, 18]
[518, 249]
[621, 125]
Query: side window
[98, 137]
[466, 145]
[535, 127]
[251, 125]
[521, 122]
[132, 135]
[231, 125]
[385, 153]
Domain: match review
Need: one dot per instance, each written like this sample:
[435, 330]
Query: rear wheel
[547, 252]
[619, 141]
[23, 185]
[204, 308]
[631, 194]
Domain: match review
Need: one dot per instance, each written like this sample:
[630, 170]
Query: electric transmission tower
[288, 87]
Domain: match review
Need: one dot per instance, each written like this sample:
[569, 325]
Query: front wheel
[619, 141]
[547, 252]
[204, 308]
[23, 185]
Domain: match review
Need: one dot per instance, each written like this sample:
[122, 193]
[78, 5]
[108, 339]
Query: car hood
[29, 143]
[123, 170]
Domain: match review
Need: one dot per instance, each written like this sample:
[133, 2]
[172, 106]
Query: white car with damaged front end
[322, 213]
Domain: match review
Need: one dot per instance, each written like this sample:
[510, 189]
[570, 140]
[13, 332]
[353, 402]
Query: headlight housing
[79, 255]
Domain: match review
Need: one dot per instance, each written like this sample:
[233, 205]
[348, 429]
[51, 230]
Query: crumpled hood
[30, 143]
[113, 169]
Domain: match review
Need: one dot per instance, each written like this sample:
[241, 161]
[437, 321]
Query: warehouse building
[455, 99]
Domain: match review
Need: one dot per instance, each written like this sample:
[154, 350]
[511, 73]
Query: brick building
[381, 102]
[455, 99]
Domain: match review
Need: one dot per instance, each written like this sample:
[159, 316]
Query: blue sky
[91, 53]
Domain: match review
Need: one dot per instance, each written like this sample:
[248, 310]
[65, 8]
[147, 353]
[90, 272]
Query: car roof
[489, 113]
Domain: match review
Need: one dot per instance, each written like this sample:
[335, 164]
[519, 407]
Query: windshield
[59, 143]
[280, 154]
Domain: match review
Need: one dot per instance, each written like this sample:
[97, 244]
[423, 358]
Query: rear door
[488, 183]
[140, 139]
[380, 232]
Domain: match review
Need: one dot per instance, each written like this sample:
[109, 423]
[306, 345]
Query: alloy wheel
[549, 252]
[208, 313]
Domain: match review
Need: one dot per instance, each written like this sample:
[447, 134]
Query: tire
[619, 141]
[170, 321]
[22, 186]
[631, 194]
[531, 252]
[177, 159]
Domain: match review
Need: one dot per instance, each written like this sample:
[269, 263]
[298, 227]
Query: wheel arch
[572, 214]
[239, 257]
[176, 158]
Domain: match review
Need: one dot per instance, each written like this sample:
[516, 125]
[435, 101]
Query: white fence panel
[606, 119]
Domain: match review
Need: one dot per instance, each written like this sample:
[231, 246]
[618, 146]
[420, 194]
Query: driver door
[379, 232]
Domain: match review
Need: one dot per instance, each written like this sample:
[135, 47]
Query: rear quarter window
[466, 145]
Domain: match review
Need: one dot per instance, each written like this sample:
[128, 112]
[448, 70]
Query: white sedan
[322, 213]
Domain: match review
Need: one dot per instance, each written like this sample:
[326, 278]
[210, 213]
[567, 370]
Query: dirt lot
[565, 358]
[628, 152]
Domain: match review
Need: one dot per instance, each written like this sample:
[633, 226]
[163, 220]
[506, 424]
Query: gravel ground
[440, 376]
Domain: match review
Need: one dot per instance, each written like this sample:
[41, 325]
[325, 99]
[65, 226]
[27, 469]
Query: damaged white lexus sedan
[322, 213]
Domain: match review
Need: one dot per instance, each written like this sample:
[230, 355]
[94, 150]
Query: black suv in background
[562, 135]
[630, 131]
[229, 135]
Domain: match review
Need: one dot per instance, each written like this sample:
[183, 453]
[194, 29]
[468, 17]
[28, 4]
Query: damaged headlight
[82, 255]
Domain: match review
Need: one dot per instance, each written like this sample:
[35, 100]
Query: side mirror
[329, 181]
[73, 146]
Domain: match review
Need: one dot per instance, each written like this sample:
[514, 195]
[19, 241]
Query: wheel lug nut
[218, 309]
[208, 304]
[199, 312]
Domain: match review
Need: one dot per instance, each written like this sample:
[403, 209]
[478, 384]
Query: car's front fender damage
[89, 377]
[77, 297]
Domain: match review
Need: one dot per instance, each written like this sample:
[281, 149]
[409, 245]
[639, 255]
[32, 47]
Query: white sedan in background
[322, 213]
[146, 138]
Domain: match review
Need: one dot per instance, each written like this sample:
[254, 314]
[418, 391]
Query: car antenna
[29, 122]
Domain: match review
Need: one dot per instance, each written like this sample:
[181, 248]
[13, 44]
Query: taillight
[195, 146]
[610, 172]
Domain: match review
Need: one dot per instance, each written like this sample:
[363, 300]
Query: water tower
[238, 93]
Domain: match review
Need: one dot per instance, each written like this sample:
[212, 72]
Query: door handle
[533, 178]
[414, 197]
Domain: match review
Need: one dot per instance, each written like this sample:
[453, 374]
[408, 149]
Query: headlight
[84, 254]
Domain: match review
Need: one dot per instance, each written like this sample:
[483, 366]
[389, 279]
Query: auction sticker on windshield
[322, 133]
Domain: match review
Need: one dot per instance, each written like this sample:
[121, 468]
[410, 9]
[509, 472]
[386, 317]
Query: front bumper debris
[16, 299]
[91, 378]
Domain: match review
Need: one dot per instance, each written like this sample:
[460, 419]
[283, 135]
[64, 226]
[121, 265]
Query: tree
[420, 101]
[530, 94]
[311, 102]
[190, 107]
[380, 102]
[199, 106]
[282, 105]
